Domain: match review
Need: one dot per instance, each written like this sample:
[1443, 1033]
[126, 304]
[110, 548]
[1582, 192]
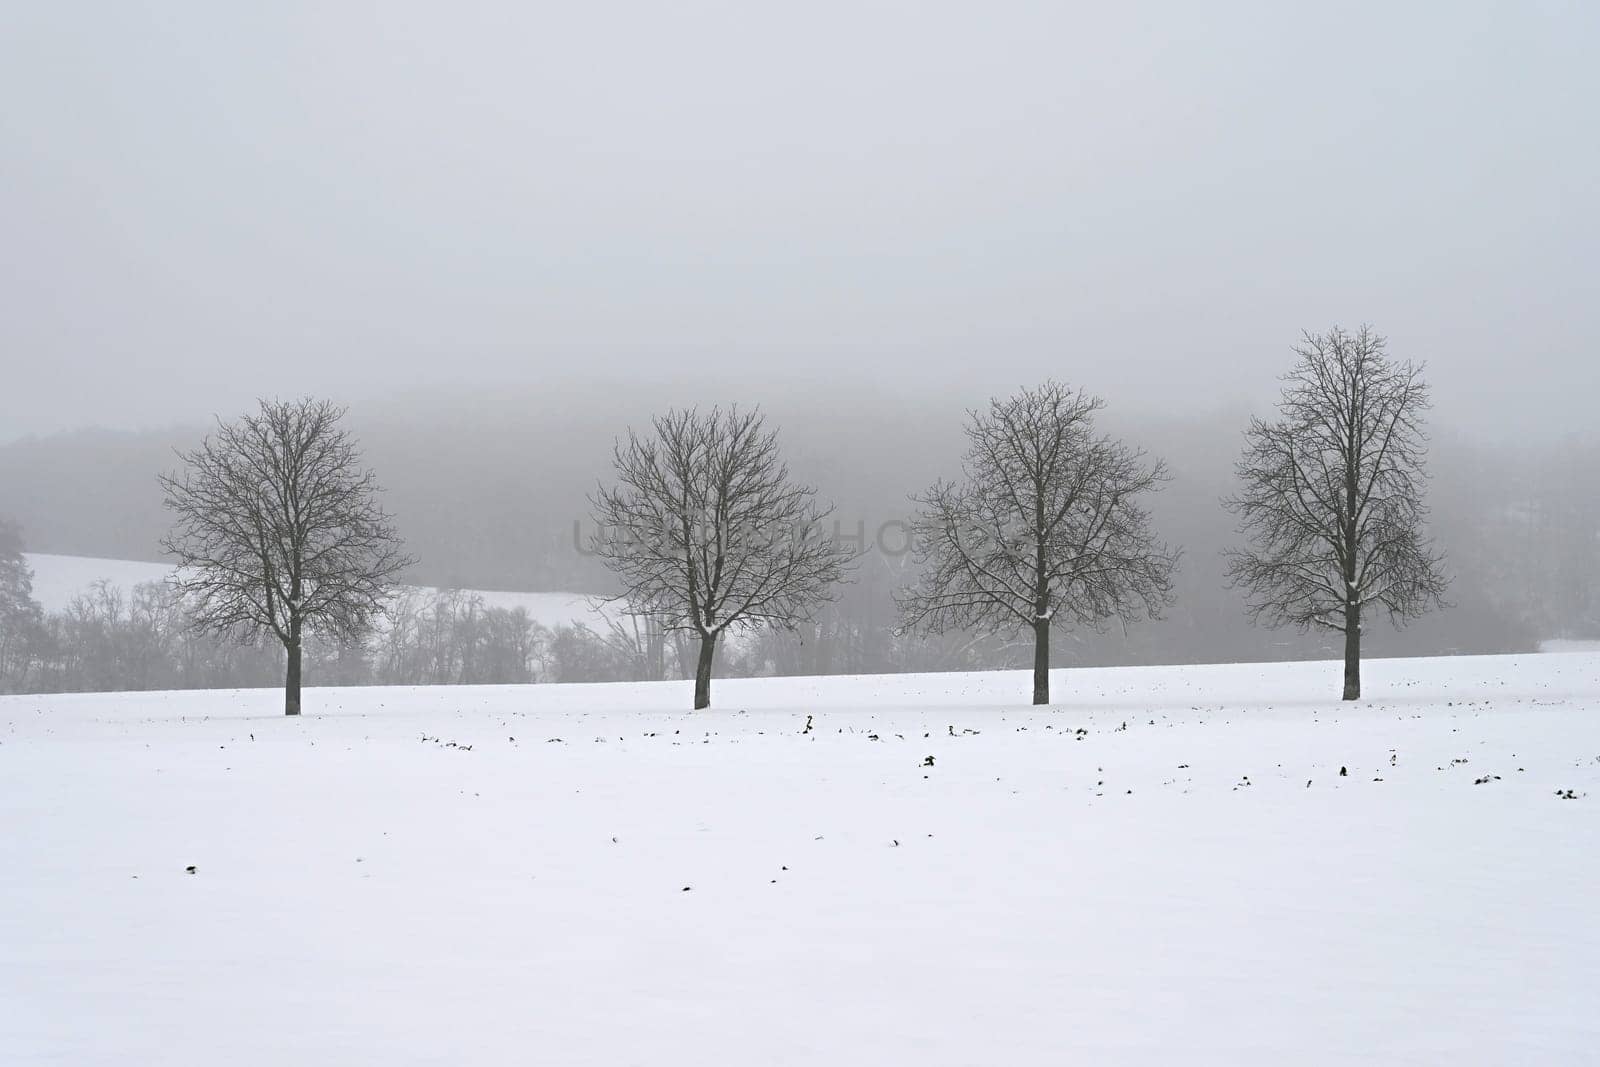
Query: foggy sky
[202, 202]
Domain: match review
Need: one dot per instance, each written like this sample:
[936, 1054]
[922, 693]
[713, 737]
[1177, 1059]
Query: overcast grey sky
[200, 202]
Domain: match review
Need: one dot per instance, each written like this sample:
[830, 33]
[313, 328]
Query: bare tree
[1332, 496]
[709, 533]
[1046, 522]
[640, 638]
[278, 530]
[21, 618]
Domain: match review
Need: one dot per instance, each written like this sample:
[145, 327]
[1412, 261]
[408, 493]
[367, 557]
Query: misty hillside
[491, 494]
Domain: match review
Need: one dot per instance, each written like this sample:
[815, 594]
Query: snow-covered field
[1167, 867]
[58, 579]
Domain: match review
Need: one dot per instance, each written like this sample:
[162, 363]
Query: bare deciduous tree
[454, 637]
[278, 530]
[1046, 522]
[1332, 496]
[640, 638]
[709, 533]
[20, 616]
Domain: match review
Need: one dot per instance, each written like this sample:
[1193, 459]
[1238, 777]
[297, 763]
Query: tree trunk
[702, 672]
[291, 683]
[1041, 661]
[1352, 652]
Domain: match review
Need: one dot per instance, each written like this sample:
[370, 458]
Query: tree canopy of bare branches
[1332, 496]
[278, 530]
[708, 531]
[1046, 523]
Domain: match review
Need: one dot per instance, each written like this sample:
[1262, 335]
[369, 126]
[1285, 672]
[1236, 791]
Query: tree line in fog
[1325, 532]
[141, 638]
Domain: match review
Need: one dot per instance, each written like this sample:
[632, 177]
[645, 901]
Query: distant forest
[492, 493]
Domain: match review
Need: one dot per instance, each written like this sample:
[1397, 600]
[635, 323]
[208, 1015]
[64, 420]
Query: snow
[58, 579]
[1567, 645]
[593, 875]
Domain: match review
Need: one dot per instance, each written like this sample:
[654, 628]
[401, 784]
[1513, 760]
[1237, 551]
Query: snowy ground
[1165, 868]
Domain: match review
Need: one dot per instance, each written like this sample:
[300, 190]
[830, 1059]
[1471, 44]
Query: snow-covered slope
[58, 579]
[1568, 645]
[1168, 867]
